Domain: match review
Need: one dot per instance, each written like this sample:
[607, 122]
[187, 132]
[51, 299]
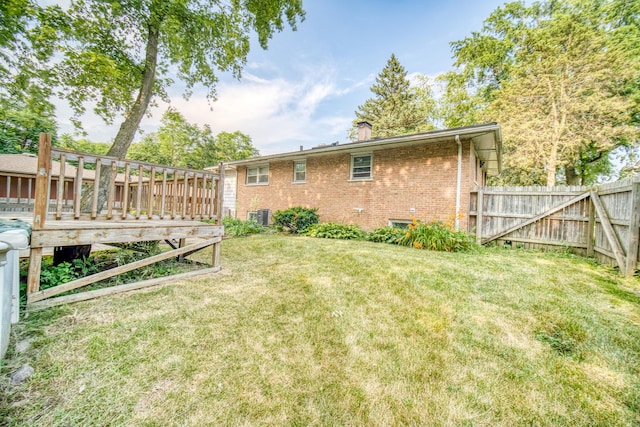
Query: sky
[305, 89]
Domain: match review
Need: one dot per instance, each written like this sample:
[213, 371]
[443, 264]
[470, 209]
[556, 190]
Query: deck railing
[129, 189]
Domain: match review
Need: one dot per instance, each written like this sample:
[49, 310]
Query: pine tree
[397, 108]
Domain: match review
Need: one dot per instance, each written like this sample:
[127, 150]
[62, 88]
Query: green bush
[296, 219]
[435, 236]
[385, 235]
[237, 227]
[331, 230]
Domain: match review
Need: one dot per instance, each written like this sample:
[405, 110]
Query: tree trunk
[69, 253]
[122, 140]
[573, 178]
[132, 121]
[552, 163]
[128, 128]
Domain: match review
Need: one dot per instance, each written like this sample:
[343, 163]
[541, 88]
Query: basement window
[399, 223]
[361, 166]
[258, 175]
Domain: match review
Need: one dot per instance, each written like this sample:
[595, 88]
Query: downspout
[458, 183]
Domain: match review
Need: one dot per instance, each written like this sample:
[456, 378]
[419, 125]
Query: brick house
[371, 182]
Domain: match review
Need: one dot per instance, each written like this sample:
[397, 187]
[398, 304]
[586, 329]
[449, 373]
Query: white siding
[229, 197]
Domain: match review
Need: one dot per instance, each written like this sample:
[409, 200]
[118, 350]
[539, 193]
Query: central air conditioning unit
[263, 217]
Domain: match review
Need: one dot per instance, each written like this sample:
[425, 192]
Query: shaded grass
[301, 331]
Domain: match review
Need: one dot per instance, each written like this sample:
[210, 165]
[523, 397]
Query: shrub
[435, 236]
[331, 230]
[239, 228]
[296, 219]
[385, 235]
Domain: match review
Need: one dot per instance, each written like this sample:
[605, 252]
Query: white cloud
[278, 113]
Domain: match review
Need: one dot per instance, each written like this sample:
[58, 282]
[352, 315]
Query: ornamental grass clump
[331, 230]
[435, 236]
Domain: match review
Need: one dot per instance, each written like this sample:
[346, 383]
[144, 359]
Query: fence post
[591, 228]
[479, 219]
[634, 229]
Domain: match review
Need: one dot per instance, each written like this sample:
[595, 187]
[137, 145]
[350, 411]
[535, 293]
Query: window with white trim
[300, 171]
[258, 175]
[361, 166]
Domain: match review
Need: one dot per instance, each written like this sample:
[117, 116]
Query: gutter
[458, 182]
[369, 144]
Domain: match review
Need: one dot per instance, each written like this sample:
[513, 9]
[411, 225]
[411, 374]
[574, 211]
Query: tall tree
[224, 147]
[25, 110]
[458, 104]
[558, 77]
[397, 108]
[82, 145]
[122, 54]
[180, 143]
[20, 130]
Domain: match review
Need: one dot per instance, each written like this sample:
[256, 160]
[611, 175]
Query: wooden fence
[602, 221]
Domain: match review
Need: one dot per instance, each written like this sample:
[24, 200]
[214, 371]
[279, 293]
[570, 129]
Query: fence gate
[603, 222]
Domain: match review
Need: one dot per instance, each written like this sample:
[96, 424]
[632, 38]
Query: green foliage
[385, 235]
[20, 130]
[296, 219]
[435, 236]
[562, 80]
[54, 275]
[239, 228]
[25, 83]
[396, 108]
[180, 143]
[135, 251]
[223, 147]
[331, 230]
[82, 145]
[458, 104]
[120, 71]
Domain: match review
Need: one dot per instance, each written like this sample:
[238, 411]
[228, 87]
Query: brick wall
[408, 182]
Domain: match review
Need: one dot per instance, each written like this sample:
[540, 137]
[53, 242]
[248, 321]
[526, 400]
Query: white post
[10, 243]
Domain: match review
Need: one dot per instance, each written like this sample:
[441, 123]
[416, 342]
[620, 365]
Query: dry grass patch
[301, 331]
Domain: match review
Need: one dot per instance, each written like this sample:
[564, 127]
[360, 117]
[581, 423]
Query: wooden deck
[140, 202]
[70, 232]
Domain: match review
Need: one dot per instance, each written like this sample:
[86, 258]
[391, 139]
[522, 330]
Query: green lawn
[302, 331]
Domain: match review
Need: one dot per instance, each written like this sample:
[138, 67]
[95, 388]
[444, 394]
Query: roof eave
[433, 136]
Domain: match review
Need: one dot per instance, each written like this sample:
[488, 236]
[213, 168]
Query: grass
[302, 331]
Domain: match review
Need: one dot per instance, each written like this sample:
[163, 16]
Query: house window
[300, 171]
[361, 166]
[399, 223]
[258, 175]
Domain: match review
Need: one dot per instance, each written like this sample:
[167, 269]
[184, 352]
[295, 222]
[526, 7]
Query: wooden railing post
[218, 195]
[634, 230]
[43, 175]
[42, 181]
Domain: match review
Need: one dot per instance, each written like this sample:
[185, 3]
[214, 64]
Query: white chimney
[364, 131]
